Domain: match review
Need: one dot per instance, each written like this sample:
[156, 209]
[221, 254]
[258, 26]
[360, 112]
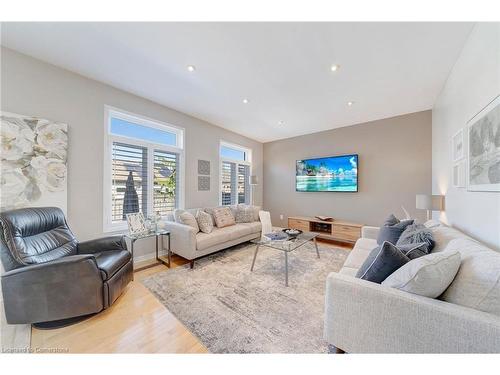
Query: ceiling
[283, 69]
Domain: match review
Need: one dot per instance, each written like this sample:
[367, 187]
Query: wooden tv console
[334, 230]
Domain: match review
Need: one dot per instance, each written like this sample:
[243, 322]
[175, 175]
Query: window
[235, 174]
[143, 168]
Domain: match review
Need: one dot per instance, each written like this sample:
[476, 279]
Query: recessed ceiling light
[335, 67]
[350, 103]
[191, 68]
[245, 101]
[280, 123]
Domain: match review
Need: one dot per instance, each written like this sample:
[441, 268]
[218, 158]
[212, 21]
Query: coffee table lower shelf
[285, 246]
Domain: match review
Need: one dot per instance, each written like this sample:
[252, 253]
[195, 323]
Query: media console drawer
[298, 224]
[346, 232]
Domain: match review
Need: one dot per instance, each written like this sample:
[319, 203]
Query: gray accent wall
[394, 165]
[471, 85]
[34, 88]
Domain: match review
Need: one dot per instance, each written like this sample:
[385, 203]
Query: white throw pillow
[188, 218]
[427, 276]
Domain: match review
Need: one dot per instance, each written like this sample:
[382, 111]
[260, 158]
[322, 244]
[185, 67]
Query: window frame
[247, 161]
[179, 149]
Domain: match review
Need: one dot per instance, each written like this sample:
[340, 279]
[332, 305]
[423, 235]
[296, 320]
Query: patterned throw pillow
[245, 214]
[205, 221]
[223, 217]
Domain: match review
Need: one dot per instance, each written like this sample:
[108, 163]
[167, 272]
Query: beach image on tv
[338, 173]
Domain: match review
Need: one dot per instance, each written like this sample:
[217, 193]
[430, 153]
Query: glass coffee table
[286, 246]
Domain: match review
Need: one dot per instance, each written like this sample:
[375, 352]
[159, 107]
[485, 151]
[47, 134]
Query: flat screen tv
[334, 173]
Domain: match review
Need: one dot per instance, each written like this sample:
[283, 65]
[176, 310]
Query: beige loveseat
[184, 240]
[365, 317]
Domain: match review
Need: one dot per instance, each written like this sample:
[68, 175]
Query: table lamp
[430, 203]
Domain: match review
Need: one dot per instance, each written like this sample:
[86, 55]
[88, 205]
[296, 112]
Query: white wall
[34, 88]
[472, 84]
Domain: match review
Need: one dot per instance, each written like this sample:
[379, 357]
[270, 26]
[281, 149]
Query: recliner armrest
[102, 244]
[63, 288]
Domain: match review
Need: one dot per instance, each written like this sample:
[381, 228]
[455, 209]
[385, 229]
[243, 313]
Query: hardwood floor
[136, 323]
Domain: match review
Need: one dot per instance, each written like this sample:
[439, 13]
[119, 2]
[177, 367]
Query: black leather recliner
[50, 276]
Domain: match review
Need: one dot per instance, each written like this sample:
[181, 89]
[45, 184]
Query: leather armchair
[50, 275]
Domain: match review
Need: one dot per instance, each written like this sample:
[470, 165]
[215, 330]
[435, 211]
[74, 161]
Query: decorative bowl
[292, 233]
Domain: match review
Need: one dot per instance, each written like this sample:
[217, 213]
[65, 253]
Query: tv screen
[335, 173]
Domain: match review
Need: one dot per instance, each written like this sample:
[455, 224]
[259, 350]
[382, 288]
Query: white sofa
[365, 317]
[184, 240]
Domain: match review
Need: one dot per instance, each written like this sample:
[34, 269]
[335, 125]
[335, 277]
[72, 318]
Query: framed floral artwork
[33, 162]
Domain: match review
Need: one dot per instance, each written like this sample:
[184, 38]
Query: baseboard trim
[146, 257]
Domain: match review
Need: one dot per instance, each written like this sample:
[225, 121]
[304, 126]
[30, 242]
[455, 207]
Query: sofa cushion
[427, 276]
[392, 230]
[443, 234]
[382, 261]
[477, 283]
[223, 217]
[221, 235]
[255, 226]
[360, 252]
[109, 262]
[348, 271]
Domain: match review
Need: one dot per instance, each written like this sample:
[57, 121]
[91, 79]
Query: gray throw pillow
[417, 233]
[392, 229]
[414, 250]
[381, 262]
[428, 276]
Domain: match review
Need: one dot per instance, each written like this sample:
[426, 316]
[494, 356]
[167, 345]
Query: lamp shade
[254, 180]
[430, 202]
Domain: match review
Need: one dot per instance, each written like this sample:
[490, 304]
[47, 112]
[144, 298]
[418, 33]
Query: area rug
[233, 310]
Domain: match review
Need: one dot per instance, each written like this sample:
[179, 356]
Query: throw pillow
[381, 262]
[392, 230]
[205, 221]
[223, 217]
[427, 276]
[188, 218]
[256, 210]
[417, 233]
[414, 250]
[245, 214]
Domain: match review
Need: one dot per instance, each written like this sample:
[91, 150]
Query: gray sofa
[189, 244]
[365, 317]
